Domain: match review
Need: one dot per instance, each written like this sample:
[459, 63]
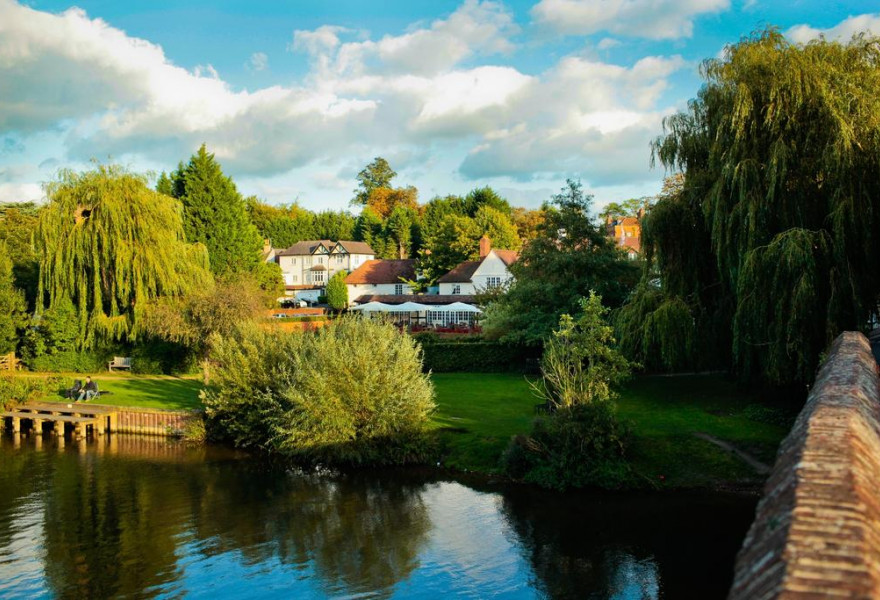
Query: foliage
[781, 157]
[215, 215]
[485, 197]
[109, 246]
[383, 200]
[353, 392]
[18, 229]
[473, 354]
[337, 291]
[628, 208]
[220, 309]
[570, 257]
[528, 223]
[52, 332]
[12, 305]
[377, 174]
[450, 244]
[71, 361]
[580, 364]
[579, 446]
[498, 227]
[16, 390]
[282, 225]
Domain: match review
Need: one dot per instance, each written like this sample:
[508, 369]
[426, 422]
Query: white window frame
[398, 289]
[456, 289]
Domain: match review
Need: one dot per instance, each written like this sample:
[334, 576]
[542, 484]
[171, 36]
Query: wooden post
[38, 426]
[16, 424]
[100, 426]
[59, 429]
[78, 429]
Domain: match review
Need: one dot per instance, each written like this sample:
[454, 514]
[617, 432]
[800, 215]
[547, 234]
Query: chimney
[485, 246]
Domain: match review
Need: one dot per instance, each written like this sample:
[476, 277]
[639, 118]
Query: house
[474, 276]
[627, 233]
[382, 277]
[308, 265]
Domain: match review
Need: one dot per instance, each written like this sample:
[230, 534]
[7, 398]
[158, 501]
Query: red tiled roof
[383, 271]
[435, 299]
[631, 243]
[462, 273]
[508, 256]
[629, 221]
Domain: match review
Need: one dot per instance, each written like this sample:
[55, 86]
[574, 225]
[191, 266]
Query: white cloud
[843, 31]
[105, 93]
[21, 192]
[607, 43]
[652, 19]
[258, 61]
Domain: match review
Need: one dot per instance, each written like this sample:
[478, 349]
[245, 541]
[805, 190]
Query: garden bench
[120, 362]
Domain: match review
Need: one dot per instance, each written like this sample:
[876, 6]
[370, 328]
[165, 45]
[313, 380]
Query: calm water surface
[143, 518]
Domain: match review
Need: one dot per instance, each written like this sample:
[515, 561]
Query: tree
[528, 223]
[570, 257]
[12, 305]
[498, 227]
[282, 225]
[109, 245]
[18, 228]
[330, 225]
[377, 174]
[452, 243]
[337, 291]
[399, 230]
[486, 197]
[628, 208]
[384, 200]
[781, 159]
[215, 215]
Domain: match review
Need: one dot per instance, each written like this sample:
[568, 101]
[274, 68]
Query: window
[493, 282]
[318, 277]
[456, 289]
[339, 258]
[295, 278]
[293, 262]
[398, 289]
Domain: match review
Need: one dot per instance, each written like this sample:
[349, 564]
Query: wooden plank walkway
[81, 417]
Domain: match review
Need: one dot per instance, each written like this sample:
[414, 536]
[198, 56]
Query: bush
[18, 390]
[580, 446]
[473, 354]
[71, 361]
[353, 393]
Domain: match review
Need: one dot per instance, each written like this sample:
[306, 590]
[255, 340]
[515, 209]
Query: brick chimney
[485, 246]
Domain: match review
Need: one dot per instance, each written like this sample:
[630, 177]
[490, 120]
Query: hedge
[473, 354]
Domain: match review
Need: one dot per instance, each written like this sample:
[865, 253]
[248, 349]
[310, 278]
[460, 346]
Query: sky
[294, 98]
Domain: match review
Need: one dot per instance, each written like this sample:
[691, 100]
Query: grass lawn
[146, 391]
[478, 413]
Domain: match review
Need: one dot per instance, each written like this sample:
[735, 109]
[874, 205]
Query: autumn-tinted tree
[781, 156]
[377, 174]
[570, 257]
[215, 215]
[109, 245]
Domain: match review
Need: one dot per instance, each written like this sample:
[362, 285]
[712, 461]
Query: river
[137, 517]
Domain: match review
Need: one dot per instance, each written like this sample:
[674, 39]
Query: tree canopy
[378, 174]
[109, 245]
[12, 304]
[771, 244]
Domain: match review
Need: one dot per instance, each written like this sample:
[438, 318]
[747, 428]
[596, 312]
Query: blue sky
[296, 97]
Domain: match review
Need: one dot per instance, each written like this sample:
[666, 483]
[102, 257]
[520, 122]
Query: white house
[474, 276]
[381, 277]
[307, 266]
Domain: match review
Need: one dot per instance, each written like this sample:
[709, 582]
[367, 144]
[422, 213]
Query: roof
[383, 271]
[356, 247]
[629, 222]
[631, 243]
[307, 247]
[436, 299]
[464, 272]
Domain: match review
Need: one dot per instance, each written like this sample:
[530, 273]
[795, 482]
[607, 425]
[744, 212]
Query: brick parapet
[817, 527]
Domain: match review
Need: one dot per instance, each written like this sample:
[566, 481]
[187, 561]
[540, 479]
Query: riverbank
[677, 423]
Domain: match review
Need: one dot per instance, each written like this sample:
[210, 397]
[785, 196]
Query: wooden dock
[80, 419]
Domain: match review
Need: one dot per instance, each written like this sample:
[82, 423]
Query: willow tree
[781, 157]
[110, 244]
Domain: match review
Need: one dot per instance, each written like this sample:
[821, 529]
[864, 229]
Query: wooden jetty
[81, 418]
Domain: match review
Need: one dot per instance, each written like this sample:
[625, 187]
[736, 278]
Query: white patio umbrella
[407, 307]
[457, 307]
[372, 307]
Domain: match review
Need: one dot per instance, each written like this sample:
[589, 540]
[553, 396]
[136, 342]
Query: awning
[407, 307]
[372, 307]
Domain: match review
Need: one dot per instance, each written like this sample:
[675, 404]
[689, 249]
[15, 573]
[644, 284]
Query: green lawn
[478, 413]
[146, 391]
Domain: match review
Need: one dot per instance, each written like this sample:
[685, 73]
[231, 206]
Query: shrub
[18, 390]
[353, 393]
[583, 445]
[337, 291]
[71, 361]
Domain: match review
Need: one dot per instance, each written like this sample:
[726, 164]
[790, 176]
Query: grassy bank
[478, 413]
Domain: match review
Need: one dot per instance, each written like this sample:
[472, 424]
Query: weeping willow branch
[109, 245]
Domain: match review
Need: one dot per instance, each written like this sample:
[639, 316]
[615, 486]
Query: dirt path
[753, 462]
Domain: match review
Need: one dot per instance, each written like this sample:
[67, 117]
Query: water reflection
[130, 517]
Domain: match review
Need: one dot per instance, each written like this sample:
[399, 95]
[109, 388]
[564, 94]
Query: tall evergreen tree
[215, 214]
[12, 305]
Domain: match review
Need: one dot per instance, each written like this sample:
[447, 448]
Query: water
[143, 518]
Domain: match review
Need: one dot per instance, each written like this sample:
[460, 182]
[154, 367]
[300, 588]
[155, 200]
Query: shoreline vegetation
[672, 422]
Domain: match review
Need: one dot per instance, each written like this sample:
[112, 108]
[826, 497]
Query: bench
[119, 362]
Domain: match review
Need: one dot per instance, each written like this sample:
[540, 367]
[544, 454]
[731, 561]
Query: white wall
[465, 288]
[492, 266]
[359, 289]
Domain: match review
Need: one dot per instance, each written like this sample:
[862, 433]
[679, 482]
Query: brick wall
[817, 528]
